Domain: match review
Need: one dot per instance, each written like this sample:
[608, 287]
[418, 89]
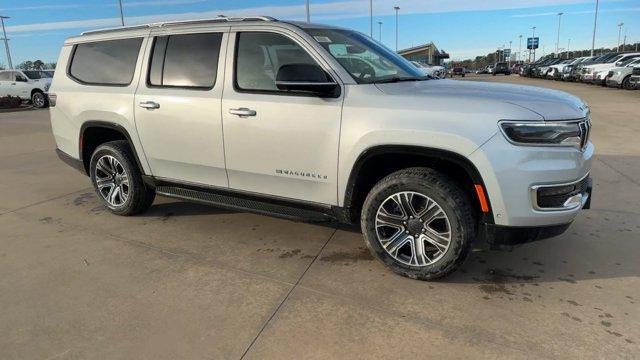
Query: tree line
[33, 65]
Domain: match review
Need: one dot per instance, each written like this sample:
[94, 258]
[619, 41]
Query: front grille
[554, 197]
[585, 131]
[636, 71]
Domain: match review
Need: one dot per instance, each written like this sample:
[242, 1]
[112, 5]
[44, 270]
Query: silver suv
[319, 123]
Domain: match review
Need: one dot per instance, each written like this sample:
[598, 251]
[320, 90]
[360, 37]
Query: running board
[252, 204]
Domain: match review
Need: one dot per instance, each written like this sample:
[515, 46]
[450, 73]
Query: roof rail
[219, 19]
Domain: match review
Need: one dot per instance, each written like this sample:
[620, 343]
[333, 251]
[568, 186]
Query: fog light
[573, 201]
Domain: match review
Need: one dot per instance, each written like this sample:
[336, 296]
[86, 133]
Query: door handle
[242, 112]
[149, 105]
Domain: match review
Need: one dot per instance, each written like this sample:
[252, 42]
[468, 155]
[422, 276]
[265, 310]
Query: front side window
[365, 59]
[189, 60]
[259, 56]
[110, 62]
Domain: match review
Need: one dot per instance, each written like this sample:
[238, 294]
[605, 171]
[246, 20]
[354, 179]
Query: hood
[550, 104]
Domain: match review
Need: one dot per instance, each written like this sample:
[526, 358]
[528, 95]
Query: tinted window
[259, 57]
[189, 60]
[111, 62]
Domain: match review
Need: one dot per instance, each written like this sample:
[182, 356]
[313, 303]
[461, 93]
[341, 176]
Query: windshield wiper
[398, 79]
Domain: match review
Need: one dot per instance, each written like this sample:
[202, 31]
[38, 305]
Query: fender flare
[106, 125]
[436, 153]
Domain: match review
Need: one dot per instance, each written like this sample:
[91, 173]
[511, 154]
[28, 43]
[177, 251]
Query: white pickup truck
[29, 85]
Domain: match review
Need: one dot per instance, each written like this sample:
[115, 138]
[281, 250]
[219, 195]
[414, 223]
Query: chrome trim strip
[534, 196]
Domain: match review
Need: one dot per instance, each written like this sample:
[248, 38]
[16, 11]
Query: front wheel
[418, 223]
[117, 179]
[626, 83]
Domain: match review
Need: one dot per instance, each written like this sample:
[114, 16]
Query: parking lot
[189, 281]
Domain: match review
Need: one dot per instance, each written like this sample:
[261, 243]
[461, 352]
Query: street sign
[506, 53]
[532, 43]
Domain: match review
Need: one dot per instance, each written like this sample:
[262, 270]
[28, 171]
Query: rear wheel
[38, 100]
[117, 179]
[418, 223]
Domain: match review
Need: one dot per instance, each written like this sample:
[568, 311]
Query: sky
[463, 28]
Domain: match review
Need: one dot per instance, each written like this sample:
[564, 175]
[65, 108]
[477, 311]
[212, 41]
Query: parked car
[590, 71]
[484, 70]
[457, 71]
[425, 167]
[542, 70]
[29, 85]
[490, 69]
[435, 72]
[501, 68]
[554, 72]
[634, 80]
[620, 77]
[571, 71]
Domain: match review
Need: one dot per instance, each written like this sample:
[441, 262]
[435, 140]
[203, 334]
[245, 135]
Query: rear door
[177, 106]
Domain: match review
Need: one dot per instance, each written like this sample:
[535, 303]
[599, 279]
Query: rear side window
[110, 62]
[189, 60]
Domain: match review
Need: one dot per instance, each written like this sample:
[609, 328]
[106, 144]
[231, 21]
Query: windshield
[37, 74]
[365, 59]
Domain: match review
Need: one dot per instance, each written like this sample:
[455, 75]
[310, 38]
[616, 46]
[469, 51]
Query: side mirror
[307, 78]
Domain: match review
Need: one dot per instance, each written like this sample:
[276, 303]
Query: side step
[246, 204]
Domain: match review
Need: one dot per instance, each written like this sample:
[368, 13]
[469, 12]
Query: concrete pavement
[188, 281]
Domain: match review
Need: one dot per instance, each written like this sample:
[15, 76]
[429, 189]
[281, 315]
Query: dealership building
[426, 54]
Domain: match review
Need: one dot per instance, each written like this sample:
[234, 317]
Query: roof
[218, 20]
[423, 47]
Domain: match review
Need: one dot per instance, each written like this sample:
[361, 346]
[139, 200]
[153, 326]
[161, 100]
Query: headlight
[551, 133]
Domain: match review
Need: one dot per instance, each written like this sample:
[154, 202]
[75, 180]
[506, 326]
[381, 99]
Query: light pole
[396, 8]
[379, 31]
[121, 13]
[308, 12]
[619, 31]
[533, 35]
[558, 39]
[509, 60]
[595, 22]
[568, 44]
[6, 41]
[371, 17]
[520, 48]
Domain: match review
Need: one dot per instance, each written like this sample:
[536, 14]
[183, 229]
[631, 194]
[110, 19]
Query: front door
[278, 143]
[178, 107]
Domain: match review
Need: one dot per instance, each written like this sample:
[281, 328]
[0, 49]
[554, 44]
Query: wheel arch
[93, 133]
[35, 90]
[369, 168]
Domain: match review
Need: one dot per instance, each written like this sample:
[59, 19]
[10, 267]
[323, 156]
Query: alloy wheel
[112, 181]
[38, 100]
[413, 229]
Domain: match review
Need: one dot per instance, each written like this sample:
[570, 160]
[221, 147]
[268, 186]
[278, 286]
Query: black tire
[451, 199]
[140, 196]
[626, 83]
[39, 100]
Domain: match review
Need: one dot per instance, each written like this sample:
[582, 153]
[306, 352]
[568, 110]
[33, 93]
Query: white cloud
[319, 12]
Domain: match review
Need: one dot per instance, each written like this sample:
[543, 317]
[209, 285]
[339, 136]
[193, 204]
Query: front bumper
[612, 83]
[512, 173]
[498, 236]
